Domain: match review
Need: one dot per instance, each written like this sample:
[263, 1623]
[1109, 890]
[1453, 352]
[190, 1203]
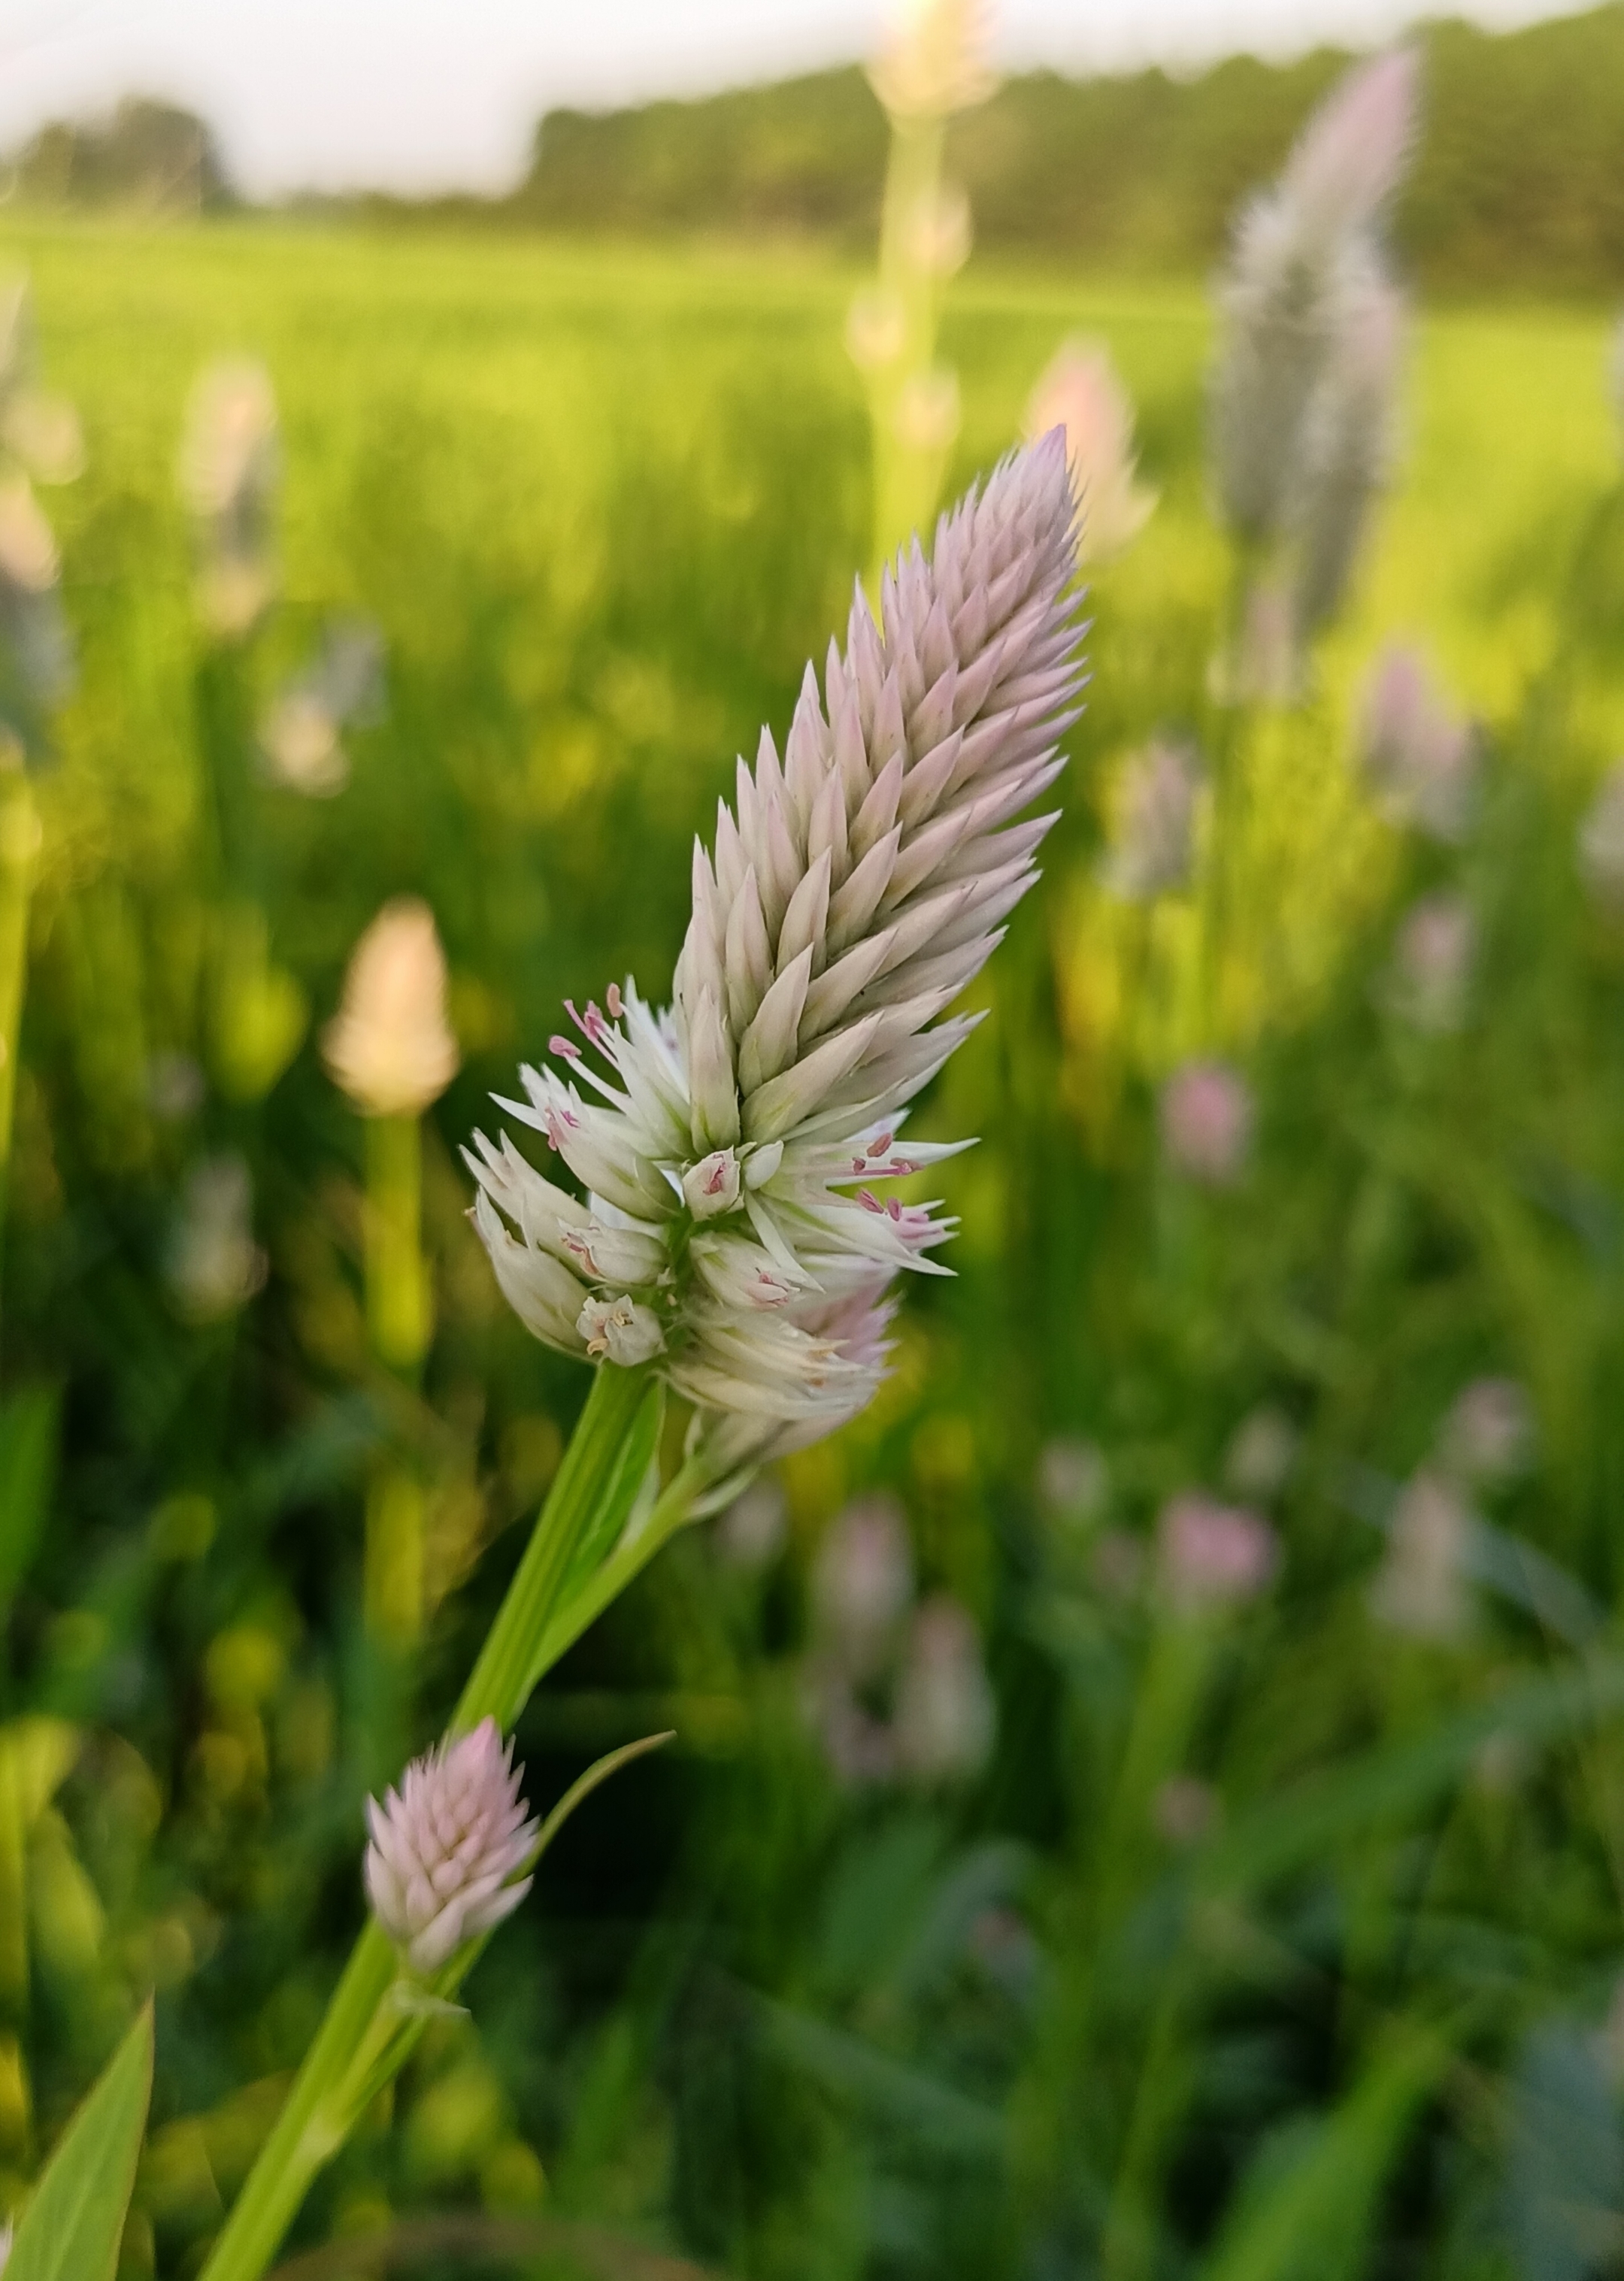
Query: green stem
[19, 845]
[359, 2044]
[397, 1298]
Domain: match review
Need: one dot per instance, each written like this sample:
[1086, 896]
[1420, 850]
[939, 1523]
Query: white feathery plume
[446, 1848]
[1309, 326]
[733, 1148]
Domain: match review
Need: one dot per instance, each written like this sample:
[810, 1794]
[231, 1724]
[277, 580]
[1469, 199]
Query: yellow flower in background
[1080, 392]
[390, 1047]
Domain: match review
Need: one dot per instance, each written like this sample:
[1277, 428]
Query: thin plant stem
[399, 1321]
[365, 2038]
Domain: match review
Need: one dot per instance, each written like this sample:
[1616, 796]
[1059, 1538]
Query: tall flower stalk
[933, 65]
[727, 1237]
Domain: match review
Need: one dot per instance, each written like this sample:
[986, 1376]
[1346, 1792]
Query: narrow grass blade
[72, 2227]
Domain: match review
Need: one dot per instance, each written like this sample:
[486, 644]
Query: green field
[602, 503]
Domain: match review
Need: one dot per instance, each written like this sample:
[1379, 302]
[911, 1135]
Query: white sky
[426, 94]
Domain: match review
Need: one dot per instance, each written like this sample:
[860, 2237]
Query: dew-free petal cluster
[729, 1159]
[446, 1848]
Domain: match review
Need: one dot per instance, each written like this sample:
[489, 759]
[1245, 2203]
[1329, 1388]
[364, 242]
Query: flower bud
[711, 1187]
[620, 1331]
[447, 1846]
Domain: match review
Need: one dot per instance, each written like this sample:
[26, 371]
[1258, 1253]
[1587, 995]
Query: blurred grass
[602, 504]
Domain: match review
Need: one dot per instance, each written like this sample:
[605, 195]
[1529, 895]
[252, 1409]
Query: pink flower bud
[447, 1847]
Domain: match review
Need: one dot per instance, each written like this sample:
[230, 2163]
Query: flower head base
[735, 1153]
[1080, 392]
[390, 1047]
[446, 1848]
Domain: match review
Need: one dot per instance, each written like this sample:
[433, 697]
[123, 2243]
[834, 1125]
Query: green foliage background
[602, 506]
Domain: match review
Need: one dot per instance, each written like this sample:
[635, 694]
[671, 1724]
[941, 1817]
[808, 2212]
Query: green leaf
[74, 2222]
[1306, 2212]
[27, 1468]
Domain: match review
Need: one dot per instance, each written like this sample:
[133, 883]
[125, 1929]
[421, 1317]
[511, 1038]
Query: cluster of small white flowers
[446, 1849]
[1310, 332]
[733, 1148]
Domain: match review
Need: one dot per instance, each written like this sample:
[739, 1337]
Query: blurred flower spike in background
[1212, 1555]
[40, 442]
[1420, 759]
[1207, 1123]
[214, 1265]
[1153, 840]
[230, 471]
[300, 735]
[1309, 338]
[1080, 392]
[934, 60]
[390, 1047]
[1433, 962]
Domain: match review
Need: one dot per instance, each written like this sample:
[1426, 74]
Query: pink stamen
[617, 1004]
[860, 1163]
[597, 1028]
[893, 1209]
[869, 1201]
[882, 1147]
[565, 1046]
[717, 1181]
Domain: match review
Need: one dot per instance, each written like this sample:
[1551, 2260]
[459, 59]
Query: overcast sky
[426, 94]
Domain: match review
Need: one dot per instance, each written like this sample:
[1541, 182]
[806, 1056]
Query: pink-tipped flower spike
[231, 468]
[1351, 158]
[1207, 1123]
[1212, 1555]
[446, 1848]
[735, 1157]
[1420, 758]
[1152, 843]
[1080, 392]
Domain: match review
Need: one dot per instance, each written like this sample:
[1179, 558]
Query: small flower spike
[732, 1156]
[446, 1848]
